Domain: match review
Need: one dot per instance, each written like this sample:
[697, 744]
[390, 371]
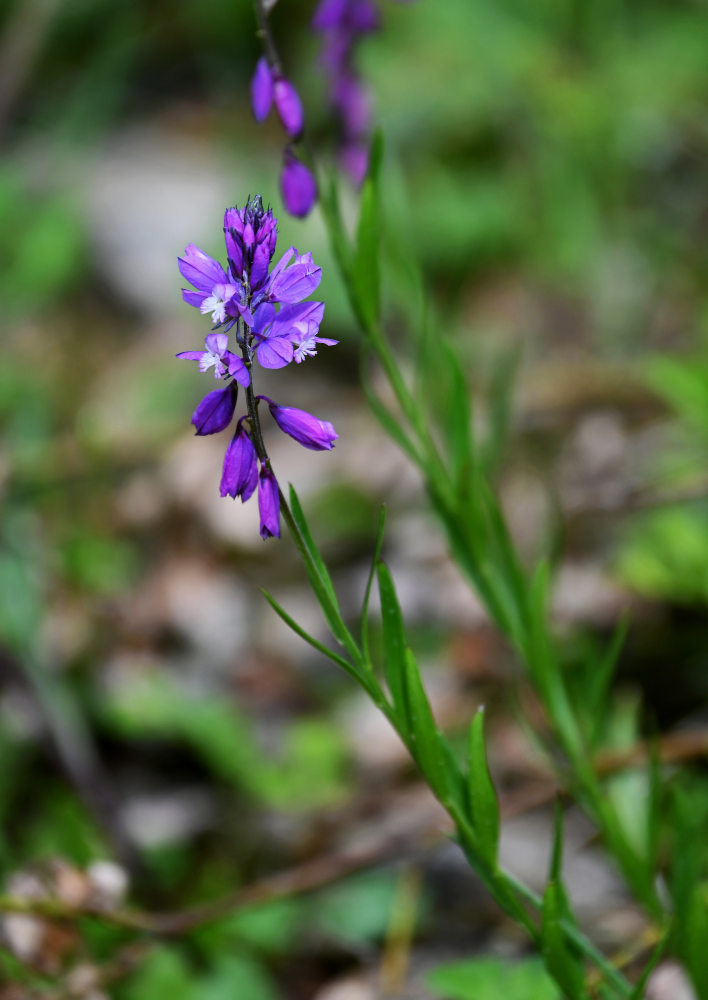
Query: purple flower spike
[261, 90]
[297, 186]
[318, 435]
[288, 105]
[215, 411]
[240, 475]
[265, 310]
[268, 504]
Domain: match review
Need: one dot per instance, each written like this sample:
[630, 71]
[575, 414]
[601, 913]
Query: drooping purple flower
[215, 411]
[268, 503]
[268, 88]
[240, 473]
[218, 357]
[261, 90]
[288, 105]
[318, 435]
[297, 186]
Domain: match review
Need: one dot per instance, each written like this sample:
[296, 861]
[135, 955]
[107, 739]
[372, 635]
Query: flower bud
[297, 186]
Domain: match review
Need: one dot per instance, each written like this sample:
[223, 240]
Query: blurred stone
[594, 466]
[24, 935]
[669, 982]
[166, 817]
[109, 883]
[140, 501]
[351, 988]
[153, 190]
[585, 594]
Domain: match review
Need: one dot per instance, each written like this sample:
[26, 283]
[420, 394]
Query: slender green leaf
[458, 417]
[369, 584]
[315, 643]
[303, 527]
[595, 696]
[562, 962]
[424, 736]
[387, 419]
[500, 396]
[330, 208]
[483, 802]
[317, 573]
[394, 639]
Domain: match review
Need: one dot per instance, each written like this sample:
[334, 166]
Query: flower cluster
[269, 87]
[342, 24]
[271, 323]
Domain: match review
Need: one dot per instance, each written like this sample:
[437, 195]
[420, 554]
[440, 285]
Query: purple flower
[288, 105]
[261, 90]
[297, 186]
[217, 356]
[357, 16]
[214, 291]
[215, 411]
[274, 348]
[240, 474]
[294, 282]
[318, 435]
[268, 87]
[268, 503]
[288, 335]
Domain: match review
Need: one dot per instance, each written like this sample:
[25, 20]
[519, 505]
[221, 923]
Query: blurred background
[546, 165]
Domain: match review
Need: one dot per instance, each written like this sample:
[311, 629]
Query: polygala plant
[257, 314]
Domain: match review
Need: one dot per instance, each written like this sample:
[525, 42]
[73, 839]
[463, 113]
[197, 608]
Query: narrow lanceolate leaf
[458, 418]
[425, 740]
[315, 643]
[484, 805]
[388, 421]
[369, 584]
[595, 696]
[365, 268]
[562, 962]
[394, 640]
[317, 572]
